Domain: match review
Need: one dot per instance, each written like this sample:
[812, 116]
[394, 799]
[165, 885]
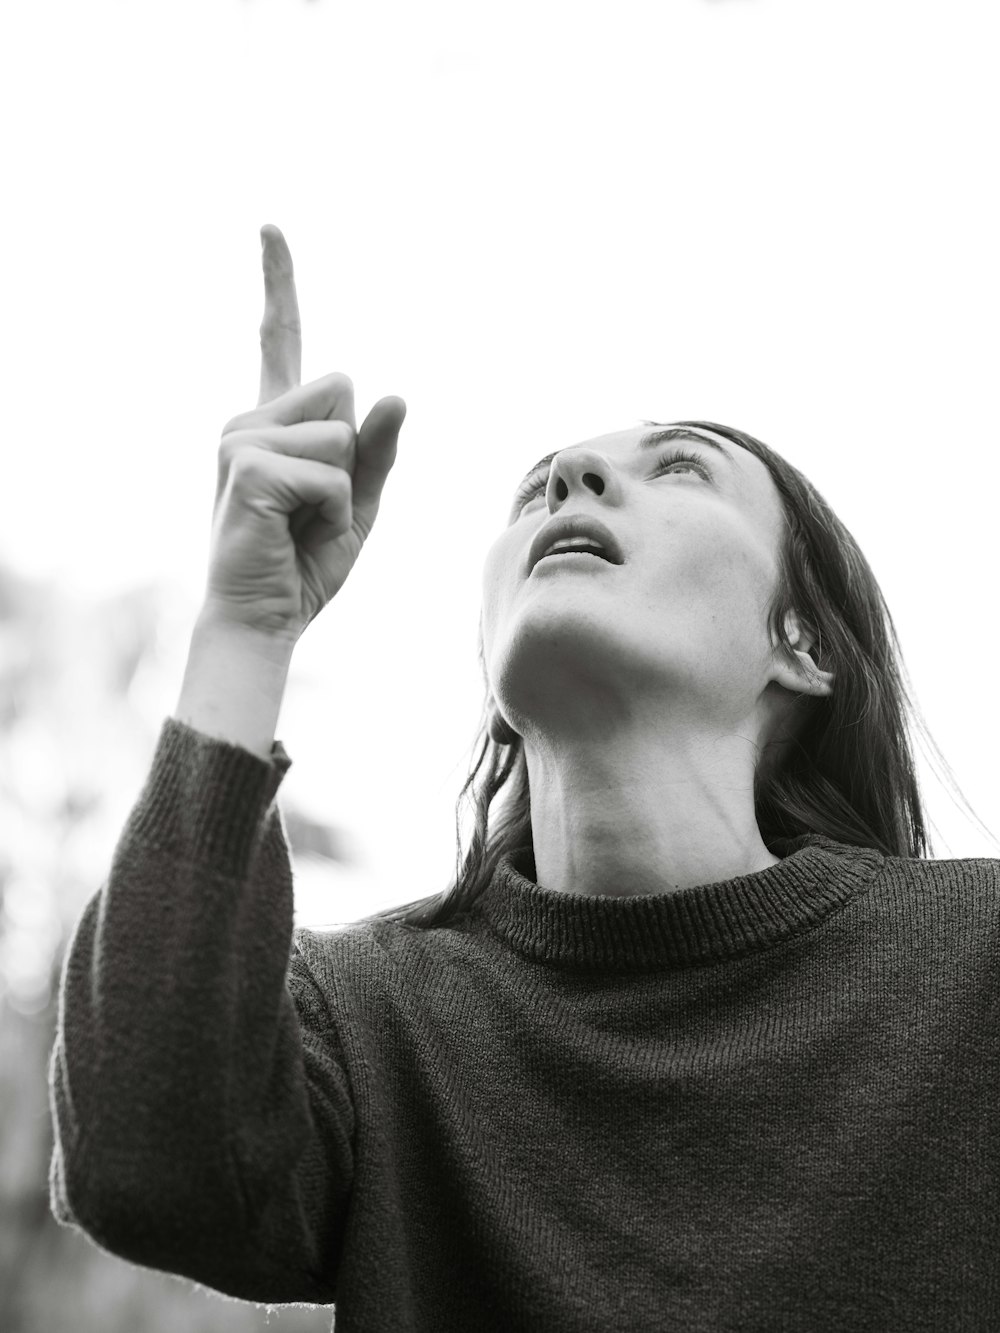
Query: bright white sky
[536, 226]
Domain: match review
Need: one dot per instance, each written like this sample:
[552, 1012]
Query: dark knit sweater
[770, 1103]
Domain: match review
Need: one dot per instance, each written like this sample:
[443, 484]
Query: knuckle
[342, 434]
[273, 329]
[235, 423]
[229, 445]
[247, 468]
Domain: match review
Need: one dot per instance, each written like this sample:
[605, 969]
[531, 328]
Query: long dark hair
[844, 770]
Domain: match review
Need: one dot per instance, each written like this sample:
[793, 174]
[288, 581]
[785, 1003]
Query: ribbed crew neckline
[704, 923]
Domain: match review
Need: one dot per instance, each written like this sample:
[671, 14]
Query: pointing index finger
[280, 329]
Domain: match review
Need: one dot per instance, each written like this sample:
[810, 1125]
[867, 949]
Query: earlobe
[803, 676]
[818, 682]
[806, 677]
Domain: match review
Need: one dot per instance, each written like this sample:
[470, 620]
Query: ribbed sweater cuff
[207, 795]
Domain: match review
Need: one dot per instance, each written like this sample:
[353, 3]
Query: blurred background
[537, 223]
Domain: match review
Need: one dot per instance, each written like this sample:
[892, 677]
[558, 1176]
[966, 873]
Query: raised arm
[202, 1110]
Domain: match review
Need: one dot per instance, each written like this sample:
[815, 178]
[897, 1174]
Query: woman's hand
[298, 485]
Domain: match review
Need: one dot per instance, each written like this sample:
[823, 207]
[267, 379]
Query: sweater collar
[704, 923]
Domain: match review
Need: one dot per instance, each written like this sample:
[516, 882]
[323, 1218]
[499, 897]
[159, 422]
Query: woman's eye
[665, 464]
[668, 462]
[532, 489]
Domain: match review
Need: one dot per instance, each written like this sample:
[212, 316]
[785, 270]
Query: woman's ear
[807, 677]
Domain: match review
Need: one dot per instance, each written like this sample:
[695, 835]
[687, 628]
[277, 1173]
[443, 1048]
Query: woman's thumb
[376, 450]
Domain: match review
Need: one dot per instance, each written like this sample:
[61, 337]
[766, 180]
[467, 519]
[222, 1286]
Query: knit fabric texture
[768, 1103]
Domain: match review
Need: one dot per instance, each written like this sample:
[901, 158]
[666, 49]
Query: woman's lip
[583, 555]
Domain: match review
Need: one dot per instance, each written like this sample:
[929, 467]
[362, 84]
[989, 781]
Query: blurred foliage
[84, 690]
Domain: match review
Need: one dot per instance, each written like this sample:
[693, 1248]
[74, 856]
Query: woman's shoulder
[971, 870]
[375, 944]
[956, 885]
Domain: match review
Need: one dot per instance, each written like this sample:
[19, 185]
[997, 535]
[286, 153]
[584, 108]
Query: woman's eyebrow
[648, 441]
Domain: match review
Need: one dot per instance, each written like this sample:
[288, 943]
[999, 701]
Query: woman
[698, 1038]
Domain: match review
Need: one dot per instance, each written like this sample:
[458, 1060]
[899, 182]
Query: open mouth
[575, 534]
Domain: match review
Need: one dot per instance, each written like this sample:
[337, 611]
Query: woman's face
[684, 617]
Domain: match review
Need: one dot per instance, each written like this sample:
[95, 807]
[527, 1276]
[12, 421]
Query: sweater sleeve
[201, 1106]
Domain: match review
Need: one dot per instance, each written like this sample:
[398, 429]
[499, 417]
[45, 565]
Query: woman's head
[677, 632]
[838, 759]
